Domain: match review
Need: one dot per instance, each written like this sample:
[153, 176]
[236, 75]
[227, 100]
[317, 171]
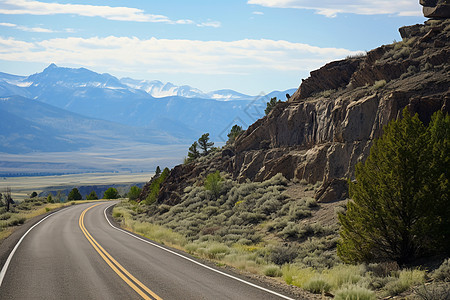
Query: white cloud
[258, 13]
[172, 56]
[30, 7]
[331, 8]
[28, 29]
[214, 24]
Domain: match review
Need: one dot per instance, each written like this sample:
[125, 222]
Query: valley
[23, 186]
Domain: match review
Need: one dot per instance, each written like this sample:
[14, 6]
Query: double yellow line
[135, 284]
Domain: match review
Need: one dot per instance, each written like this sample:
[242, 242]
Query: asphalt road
[77, 254]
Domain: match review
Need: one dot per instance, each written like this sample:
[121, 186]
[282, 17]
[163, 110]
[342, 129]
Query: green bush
[406, 279]
[354, 292]
[213, 183]
[433, 291]
[281, 255]
[443, 272]
[273, 271]
[317, 285]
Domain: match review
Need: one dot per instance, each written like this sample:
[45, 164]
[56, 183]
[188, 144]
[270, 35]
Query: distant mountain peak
[51, 66]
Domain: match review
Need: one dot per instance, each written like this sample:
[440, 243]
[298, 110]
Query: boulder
[331, 191]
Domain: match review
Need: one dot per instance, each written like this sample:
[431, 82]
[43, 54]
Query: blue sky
[252, 46]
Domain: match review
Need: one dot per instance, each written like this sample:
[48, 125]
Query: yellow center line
[113, 263]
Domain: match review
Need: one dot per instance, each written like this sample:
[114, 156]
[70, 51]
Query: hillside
[329, 123]
[29, 125]
[282, 182]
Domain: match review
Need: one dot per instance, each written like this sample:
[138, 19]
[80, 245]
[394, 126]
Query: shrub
[317, 285]
[217, 251]
[281, 255]
[50, 198]
[273, 271]
[342, 275]
[443, 272]
[354, 292]
[213, 183]
[405, 280]
[433, 291]
[379, 84]
[5, 216]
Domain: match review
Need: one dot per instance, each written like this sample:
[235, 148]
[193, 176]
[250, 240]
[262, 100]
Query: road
[76, 253]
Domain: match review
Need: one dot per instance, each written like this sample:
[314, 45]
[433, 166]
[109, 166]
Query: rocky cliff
[329, 123]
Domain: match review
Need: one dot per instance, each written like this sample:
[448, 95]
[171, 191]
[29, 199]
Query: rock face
[329, 124]
[438, 9]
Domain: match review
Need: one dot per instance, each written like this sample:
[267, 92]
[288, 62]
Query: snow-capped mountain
[158, 89]
[180, 111]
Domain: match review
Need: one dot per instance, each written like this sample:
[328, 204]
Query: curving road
[76, 253]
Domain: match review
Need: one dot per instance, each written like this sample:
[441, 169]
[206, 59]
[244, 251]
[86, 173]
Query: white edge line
[194, 261]
[8, 261]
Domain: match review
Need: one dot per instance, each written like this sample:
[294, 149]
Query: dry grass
[23, 211]
[296, 236]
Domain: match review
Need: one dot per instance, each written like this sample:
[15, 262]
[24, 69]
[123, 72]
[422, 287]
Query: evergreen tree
[438, 187]
[204, 143]
[74, 195]
[157, 171]
[235, 131]
[92, 196]
[400, 200]
[193, 152]
[155, 186]
[50, 198]
[271, 104]
[111, 193]
[134, 192]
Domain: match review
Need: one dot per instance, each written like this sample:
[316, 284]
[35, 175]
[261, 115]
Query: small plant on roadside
[354, 292]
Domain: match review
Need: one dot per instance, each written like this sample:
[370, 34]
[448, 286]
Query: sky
[251, 46]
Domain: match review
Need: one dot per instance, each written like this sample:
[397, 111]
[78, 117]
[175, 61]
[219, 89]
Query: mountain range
[66, 109]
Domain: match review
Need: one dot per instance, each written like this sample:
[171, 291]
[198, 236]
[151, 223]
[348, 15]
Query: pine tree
[193, 152]
[74, 195]
[157, 171]
[134, 193]
[235, 131]
[393, 213]
[111, 193]
[271, 104]
[92, 196]
[204, 143]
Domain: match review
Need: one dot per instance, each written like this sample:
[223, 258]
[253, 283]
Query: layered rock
[329, 124]
[436, 8]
